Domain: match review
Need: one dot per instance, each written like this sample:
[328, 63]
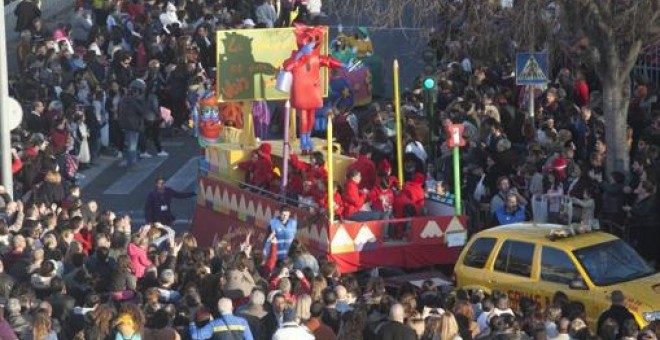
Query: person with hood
[131, 110]
[258, 170]
[157, 207]
[169, 19]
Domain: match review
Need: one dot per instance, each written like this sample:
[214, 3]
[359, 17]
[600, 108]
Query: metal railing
[648, 65]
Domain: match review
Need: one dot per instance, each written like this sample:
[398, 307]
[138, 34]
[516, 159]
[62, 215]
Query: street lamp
[5, 138]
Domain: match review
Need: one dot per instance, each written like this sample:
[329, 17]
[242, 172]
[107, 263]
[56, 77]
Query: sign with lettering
[455, 138]
[249, 60]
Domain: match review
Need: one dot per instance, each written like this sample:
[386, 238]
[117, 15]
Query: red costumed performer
[305, 67]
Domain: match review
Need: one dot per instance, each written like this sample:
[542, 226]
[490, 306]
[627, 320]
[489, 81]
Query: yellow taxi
[537, 260]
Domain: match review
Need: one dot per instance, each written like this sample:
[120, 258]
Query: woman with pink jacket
[137, 253]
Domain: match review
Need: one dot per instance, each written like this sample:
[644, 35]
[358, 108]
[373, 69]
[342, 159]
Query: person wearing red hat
[382, 195]
[385, 174]
[259, 169]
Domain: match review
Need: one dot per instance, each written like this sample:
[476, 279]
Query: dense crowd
[107, 82]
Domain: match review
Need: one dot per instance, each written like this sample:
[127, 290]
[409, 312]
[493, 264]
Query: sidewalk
[52, 12]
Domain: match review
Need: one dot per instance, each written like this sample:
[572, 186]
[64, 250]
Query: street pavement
[125, 192]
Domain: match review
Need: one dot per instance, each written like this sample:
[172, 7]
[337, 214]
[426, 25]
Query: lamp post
[5, 138]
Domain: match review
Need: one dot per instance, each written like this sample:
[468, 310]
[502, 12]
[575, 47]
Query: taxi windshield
[612, 262]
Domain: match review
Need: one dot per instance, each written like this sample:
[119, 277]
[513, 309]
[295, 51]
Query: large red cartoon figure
[305, 67]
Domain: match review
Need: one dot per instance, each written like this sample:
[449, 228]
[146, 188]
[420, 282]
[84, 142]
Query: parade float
[291, 66]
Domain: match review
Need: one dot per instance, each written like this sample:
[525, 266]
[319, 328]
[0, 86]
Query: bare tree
[617, 30]
[609, 33]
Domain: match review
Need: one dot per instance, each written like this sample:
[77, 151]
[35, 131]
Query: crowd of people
[72, 269]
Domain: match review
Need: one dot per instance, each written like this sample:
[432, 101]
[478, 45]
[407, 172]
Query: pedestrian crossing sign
[531, 68]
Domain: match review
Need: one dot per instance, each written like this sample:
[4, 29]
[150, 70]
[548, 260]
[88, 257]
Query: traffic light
[430, 67]
[429, 89]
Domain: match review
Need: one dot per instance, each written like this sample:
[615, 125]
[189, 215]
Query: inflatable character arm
[331, 62]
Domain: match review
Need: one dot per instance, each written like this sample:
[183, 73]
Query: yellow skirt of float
[224, 157]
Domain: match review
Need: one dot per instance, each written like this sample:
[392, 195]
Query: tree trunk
[615, 110]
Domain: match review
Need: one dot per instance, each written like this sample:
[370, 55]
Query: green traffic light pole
[456, 159]
[428, 84]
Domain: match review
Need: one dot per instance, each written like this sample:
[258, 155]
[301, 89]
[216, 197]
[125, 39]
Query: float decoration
[304, 70]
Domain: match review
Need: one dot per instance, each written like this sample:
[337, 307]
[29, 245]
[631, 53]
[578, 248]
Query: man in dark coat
[131, 110]
[395, 329]
[157, 208]
[25, 12]
[617, 312]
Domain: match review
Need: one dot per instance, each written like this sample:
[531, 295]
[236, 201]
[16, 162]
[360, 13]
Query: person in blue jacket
[285, 229]
[226, 327]
[511, 212]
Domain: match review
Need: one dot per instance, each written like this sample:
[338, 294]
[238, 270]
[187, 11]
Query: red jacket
[322, 200]
[415, 192]
[16, 165]
[400, 202]
[84, 237]
[310, 172]
[353, 199]
[260, 171]
[379, 194]
[367, 169]
[581, 93]
[58, 139]
[139, 260]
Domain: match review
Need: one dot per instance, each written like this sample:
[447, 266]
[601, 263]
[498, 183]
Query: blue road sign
[531, 68]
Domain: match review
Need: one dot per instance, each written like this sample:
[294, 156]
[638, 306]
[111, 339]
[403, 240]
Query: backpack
[70, 165]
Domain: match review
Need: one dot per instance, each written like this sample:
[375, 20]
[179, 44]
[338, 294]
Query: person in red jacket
[415, 191]
[382, 195]
[385, 176]
[366, 167]
[322, 200]
[581, 90]
[313, 170]
[59, 135]
[259, 170]
[81, 234]
[354, 199]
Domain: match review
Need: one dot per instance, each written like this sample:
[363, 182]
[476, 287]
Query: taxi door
[558, 272]
[512, 270]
